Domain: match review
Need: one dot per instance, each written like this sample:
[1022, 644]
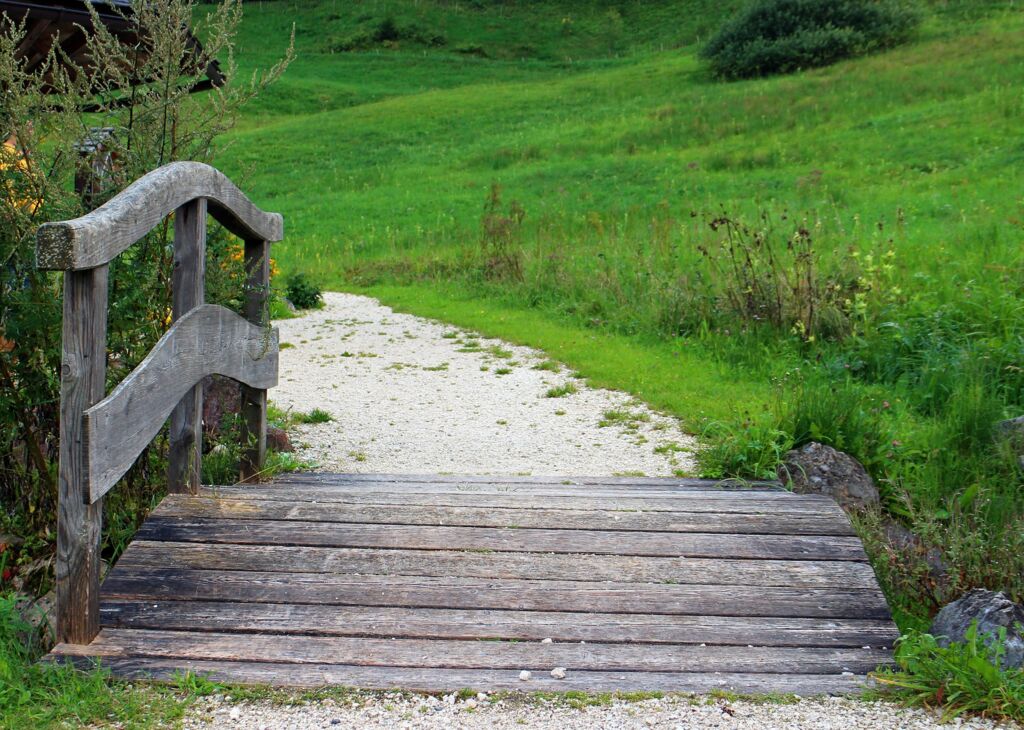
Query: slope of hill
[396, 147]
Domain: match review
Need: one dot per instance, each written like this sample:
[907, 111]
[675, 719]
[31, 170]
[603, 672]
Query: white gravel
[406, 397]
[412, 712]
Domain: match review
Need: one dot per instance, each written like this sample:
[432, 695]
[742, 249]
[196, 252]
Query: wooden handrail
[98, 237]
[101, 437]
[208, 340]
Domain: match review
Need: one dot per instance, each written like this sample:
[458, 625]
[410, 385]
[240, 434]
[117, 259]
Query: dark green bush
[304, 293]
[779, 36]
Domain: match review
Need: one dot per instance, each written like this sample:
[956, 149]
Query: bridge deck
[440, 583]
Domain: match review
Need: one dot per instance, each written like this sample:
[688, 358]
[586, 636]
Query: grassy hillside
[569, 175]
[377, 152]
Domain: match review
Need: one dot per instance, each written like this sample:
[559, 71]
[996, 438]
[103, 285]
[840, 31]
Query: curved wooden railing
[100, 437]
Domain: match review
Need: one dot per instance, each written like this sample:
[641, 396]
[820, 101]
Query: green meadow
[390, 152]
[571, 176]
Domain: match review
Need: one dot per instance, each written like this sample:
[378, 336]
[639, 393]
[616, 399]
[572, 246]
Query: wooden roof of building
[61, 21]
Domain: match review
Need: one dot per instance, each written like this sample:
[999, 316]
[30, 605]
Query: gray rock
[1011, 427]
[992, 611]
[277, 440]
[819, 469]
[1012, 431]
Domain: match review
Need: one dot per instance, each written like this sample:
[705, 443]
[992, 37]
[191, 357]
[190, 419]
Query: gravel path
[416, 396]
[398, 712]
[410, 395]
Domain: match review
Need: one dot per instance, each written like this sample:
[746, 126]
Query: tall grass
[961, 678]
[43, 695]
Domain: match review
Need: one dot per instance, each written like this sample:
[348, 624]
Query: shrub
[962, 678]
[780, 36]
[304, 293]
[500, 249]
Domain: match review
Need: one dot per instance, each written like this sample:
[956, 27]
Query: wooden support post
[188, 292]
[254, 400]
[83, 372]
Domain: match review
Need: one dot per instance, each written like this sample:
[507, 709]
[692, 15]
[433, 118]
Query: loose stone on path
[415, 396]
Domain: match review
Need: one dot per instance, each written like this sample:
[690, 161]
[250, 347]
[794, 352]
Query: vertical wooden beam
[188, 291]
[254, 400]
[83, 371]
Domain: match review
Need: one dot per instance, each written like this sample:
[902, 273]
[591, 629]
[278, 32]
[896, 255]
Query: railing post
[83, 372]
[254, 400]
[188, 292]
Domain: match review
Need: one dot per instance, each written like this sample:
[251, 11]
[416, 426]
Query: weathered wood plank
[327, 534]
[779, 523]
[79, 519]
[481, 593]
[674, 482]
[518, 501]
[553, 490]
[446, 623]
[631, 501]
[454, 654]
[253, 395]
[97, 237]
[447, 680]
[208, 340]
[525, 566]
[188, 290]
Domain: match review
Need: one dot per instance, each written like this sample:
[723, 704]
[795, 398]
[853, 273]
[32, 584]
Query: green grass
[963, 679]
[404, 172]
[41, 695]
[317, 415]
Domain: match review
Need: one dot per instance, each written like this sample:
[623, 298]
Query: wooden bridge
[418, 582]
